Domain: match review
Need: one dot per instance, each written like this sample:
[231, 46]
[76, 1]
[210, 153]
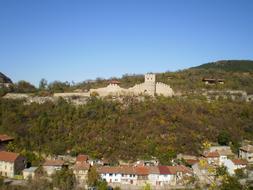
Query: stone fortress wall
[149, 87]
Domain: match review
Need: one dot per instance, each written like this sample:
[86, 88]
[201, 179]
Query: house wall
[51, 169]
[166, 179]
[112, 177]
[7, 169]
[27, 175]
[154, 179]
[129, 179]
[246, 155]
[81, 176]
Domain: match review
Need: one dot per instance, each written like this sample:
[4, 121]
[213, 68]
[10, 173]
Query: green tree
[224, 138]
[43, 84]
[24, 87]
[64, 179]
[147, 186]
[93, 177]
[230, 183]
[221, 171]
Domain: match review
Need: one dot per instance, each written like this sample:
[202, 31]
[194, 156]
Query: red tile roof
[8, 156]
[4, 137]
[141, 170]
[53, 163]
[239, 162]
[164, 170]
[114, 82]
[191, 161]
[108, 169]
[82, 158]
[214, 154]
[144, 170]
[83, 166]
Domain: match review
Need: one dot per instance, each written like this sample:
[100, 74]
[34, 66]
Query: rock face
[4, 80]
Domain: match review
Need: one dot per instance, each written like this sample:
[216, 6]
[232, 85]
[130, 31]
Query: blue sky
[74, 40]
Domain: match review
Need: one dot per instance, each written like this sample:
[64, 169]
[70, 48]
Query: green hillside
[229, 65]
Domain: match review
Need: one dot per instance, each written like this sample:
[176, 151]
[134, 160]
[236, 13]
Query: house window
[110, 174]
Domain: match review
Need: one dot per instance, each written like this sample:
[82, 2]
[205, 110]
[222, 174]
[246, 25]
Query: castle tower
[150, 84]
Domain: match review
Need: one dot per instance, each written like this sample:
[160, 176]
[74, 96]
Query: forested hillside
[229, 65]
[158, 127]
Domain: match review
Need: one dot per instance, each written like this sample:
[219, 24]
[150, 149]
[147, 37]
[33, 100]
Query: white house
[11, 164]
[110, 174]
[212, 157]
[246, 152]
[51, 166]
[234, 164]
[29, 172]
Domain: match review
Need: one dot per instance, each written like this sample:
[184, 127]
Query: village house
[189, 160]
[154, 162]
[29, 173]
[128, 175]
[171, 175]
[80, 171]
[4, 141]
[212, 157]
[51, 166]
[212, 81]
[81, 159]
[11, 164]
[234, 164]
[239, 163]
[111, 174]
[140, 175]
[246, 152]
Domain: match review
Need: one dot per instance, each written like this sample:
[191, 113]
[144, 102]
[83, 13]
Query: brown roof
[154, 170]
[213, 154]
[247, 148]
[213, 80]
[108, 169]
[82, 158]
[239, 162]
[114, 82]
[141, 170]
[127, 170]
[53, 163]
[8, 156]
[4, 137]
[83, 166]
[191, 161]
[144, 170]
[164, 170]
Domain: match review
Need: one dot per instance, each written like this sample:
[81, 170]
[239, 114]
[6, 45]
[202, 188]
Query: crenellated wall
[164, 89]
[111, 89]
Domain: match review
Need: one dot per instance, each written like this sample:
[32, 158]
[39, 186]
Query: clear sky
[74, 40]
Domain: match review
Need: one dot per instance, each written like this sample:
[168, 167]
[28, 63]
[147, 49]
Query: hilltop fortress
[149, 87]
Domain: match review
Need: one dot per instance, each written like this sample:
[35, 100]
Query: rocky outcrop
[4, 80]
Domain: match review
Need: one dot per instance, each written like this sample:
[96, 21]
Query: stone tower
[150, 84]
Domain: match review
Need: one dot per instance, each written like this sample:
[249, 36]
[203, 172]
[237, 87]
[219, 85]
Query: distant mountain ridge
[228, 65]
[4, 78]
